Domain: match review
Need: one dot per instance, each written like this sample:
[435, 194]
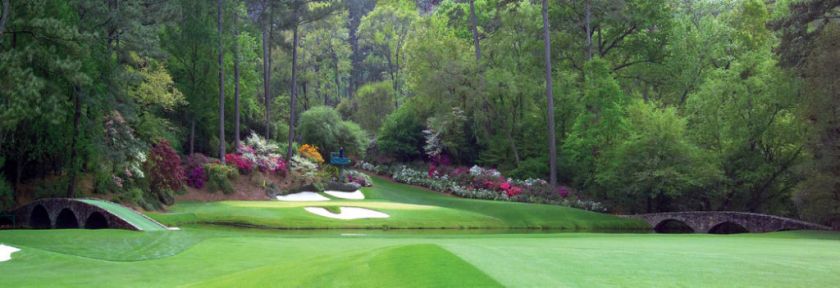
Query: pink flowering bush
[243, 164]
[263, 155]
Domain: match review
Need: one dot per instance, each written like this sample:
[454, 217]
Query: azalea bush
[165, 171]
[483, 183]
[243, 164]
[304, 171]
[262, 154]
[357, 177]
[196, 177]
[311, 153]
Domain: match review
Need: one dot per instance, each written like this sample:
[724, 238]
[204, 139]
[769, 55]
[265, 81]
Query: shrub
[358, 178]
[322, 127]
[243, 164]
[311, 153]
[304, 171]
[401, 135]
[7, 194]
[197, 177]
[165, 171]
[265, 155]
[219, 177]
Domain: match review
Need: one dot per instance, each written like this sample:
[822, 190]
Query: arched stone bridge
[722, 222]
[65, 213]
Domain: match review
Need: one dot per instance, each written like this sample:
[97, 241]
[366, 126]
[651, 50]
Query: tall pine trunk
[77, 118]
[549, 94]
[236, 134]
[266, 39]
[588, 19]
[221, 87]
[293, 106]
[474, 28]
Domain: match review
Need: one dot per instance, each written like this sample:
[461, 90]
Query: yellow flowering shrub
[311, 152]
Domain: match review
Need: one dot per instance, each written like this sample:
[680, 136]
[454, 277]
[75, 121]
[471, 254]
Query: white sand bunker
[356, 195]
[302, 197]
[347, 213]
[6, 252]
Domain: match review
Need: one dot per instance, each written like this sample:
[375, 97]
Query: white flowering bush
[304, 169]
[537, 190]
[262, 153]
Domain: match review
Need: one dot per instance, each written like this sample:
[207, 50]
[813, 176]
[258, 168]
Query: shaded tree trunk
[266, 39]
[77, 118]
[474, 28]
[4, 17]
[293, 107]
[549, 94]
[588, 23]
[192, 135]
[221, 86]
[236, 131]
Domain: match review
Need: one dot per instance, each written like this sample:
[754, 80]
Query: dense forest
[650, 105]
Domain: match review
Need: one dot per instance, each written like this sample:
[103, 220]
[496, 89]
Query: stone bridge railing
[723, 222]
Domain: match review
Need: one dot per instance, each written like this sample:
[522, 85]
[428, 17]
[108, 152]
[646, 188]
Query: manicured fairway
[408, 206]
[214, 257]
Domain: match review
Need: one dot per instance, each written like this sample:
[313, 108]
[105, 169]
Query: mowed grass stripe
[419, 265]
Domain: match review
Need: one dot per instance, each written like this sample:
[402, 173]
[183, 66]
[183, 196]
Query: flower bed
[483, 183]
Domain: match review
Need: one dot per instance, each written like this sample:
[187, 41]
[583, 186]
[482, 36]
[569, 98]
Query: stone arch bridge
[722, 222]
[66, 213]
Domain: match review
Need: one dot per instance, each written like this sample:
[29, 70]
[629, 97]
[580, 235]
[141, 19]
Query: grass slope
[130, 216]
[256, 258]
[408, 206]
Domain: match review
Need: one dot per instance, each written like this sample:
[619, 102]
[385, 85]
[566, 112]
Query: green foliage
[7, 195]
[219, 177]
[656, 162]
[599, 127]
[322, 126]
[401, 134]
[370, 103]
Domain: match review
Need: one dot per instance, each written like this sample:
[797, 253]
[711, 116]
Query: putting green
[409, 208]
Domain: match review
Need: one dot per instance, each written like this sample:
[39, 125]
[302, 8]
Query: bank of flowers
[483, 183]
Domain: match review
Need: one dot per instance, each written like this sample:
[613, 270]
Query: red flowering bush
[513, 191]
[243, 164]
[165, 171]
[563, 191]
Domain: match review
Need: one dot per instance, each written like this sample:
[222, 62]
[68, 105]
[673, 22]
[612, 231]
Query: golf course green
[409, 207]
[503, 250]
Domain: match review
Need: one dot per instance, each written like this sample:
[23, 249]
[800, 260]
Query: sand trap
[357, 195]
[6, 252]
[347, 213]
[303, 196]
[173, 228]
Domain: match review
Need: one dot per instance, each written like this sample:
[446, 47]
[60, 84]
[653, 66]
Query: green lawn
[217, 257]
[205, 254]
[408, 206]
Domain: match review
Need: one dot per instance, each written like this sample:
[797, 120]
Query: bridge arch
[728, 227]
[672, 226]
[96, 221]
[66, 220]
[82, 213]
[724, 222]
[40, 218]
